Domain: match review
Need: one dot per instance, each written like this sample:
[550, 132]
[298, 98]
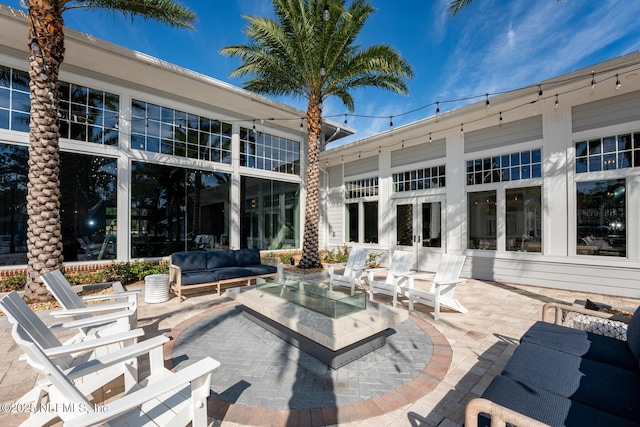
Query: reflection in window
[431, 225]
[88, 208]
[167, 131]
[367, 187]
[13, 204]
[175, 209]
[404, 225]
[608, 153]
[268, 152]
[601, 218]
[508, 167]
[419, 179]
[270, 214]
[15, 104]
[481, 220]
[352, 222]
[524, 219]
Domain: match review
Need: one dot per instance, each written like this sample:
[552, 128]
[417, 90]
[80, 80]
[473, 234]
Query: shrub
[15, 283]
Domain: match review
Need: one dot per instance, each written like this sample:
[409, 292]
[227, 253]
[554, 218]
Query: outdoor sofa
[563, 376]
[192, 270]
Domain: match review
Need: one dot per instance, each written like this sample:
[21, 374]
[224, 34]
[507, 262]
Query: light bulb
[555, 106]
[487, 103]
[593, 80]
[618, 84]
[325, 14]
[25, 4]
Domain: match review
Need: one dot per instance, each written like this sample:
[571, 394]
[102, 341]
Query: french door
[420, 228]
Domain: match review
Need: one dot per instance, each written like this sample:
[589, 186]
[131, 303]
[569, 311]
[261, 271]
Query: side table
[156, 288]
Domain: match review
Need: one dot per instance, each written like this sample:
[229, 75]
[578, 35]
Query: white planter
[156, 288]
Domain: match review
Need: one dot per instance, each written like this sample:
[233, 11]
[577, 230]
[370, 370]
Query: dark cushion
[633, 335]
[220, 258]
[257, 270]
[580, 343]
[231, 273]
[197, 277]
[190, 260]
[592, 383]
[247, 257]
[548, 407]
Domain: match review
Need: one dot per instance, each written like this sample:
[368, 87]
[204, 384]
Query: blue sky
[490, 47]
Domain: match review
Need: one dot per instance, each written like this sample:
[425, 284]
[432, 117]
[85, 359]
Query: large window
[13, 204]
[362, 228]
[524, 219]
[270, 214]
[601, 221]
[508, 167]
[168, 131]
[88, 204]
[608, 153]
[481, 220]
[268, 152]
[175, 209]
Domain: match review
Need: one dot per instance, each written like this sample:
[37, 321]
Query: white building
[541, 188]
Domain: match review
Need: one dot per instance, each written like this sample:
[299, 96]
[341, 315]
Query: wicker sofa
[563, 376]
[193, 270]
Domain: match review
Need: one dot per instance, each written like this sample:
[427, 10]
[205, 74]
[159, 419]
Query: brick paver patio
[472, 348]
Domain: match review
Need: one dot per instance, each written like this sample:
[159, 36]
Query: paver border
[425, 382]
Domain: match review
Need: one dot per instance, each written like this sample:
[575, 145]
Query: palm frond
[455, 6]
[168, 12]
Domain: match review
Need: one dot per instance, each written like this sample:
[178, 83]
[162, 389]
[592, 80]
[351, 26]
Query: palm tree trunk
[310, 257]
[44, 237]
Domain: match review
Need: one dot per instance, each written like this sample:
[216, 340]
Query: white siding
[529, 129]
[619, 109]
[361, 166]
[419, 153]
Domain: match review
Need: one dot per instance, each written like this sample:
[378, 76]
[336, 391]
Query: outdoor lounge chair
[352, 273]
[397, 276]
[442, 287]
[164, 398]
[66, 355]
[114, 316]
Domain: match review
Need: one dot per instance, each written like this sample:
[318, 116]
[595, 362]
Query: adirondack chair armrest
[126, 294]
[117, 357]
[95, 320]
[200, 370]
[372, 271]
[448, 282]
[95, 308]
[331, 267]
[93, 343]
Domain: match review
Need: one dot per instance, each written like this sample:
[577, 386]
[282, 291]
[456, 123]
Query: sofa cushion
[190, 260]
[220, 258]
[198, 277]
[257, 270]
[592, 383]
[247, 257]
[583, 344]
[231, 273]
[547, 407]
[633, 335]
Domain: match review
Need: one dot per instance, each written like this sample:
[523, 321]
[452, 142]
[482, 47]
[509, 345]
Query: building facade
[154, 158]
[540, 185]
[541, 188]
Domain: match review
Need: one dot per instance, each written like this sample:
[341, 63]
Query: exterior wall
[582, 114]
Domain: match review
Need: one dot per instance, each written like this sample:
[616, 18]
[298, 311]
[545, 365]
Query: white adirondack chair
[397, 276]
[444, 283]
[163, 399]
[114, 316]
[353, 268]
[68, 356]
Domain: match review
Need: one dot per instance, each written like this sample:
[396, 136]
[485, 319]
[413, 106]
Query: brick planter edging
[427, 380]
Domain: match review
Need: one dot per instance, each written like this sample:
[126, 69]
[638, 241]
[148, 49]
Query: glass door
[419, 228]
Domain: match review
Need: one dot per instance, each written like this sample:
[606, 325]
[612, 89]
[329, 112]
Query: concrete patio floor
[481, 341]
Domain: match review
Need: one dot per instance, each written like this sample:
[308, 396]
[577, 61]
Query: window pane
[404, 221]
[481, 220]
[352, 223]
[523, 215]
[601, 207]
[431, 225]
[370, 222]
[13, 204]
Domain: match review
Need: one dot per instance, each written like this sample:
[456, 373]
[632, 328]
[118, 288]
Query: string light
[345, 119]
[539, 92]
[461, 129]
[301, 123]
[437, 107]
[593, 80]
[390, 122]
[379, 149]
[500, 121]
[487, 104]
[325, 14]
[557, 103]
[618, 84]
[430, 140]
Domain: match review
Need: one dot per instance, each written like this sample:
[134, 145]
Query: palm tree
[309, 52]
[455, 6]
[46, 46]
